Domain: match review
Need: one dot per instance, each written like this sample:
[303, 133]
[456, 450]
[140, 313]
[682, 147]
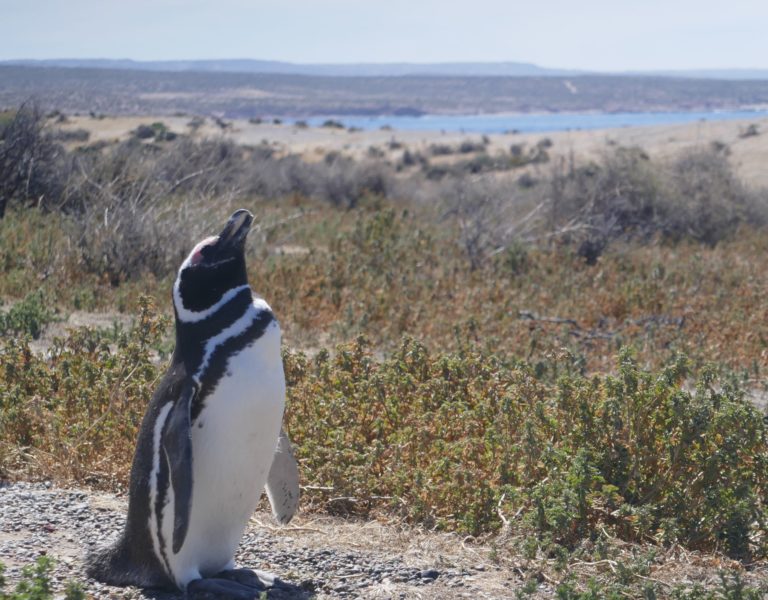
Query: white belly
[233, 443]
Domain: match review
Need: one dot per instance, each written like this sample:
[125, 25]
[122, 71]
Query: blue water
[500, 123]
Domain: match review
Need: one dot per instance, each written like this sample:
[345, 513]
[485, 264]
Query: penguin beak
[232, 237]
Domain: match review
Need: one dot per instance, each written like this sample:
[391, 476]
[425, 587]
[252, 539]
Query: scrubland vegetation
[252, 95]
[567, 362]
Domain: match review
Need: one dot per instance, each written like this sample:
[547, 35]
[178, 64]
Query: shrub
[30, 161]
[468, 147]
[627, 196]
[751, 130]
[197, 122]
[75, 414]
[516, 150]
[411, 159]
[35, 583]
[123, 209]
[157, 131]
[144, 132]
[441, 149]
[484, 163]
[707, 201]
[27, 317]
[482, 208]
[445, 440]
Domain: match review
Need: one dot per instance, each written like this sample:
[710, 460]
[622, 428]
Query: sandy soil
[749, 155]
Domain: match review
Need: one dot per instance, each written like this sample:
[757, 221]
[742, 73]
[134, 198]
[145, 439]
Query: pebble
[38, 518]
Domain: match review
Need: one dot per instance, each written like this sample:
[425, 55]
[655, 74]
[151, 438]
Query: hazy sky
[587, 34]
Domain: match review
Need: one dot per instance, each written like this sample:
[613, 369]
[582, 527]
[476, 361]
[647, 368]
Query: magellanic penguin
[211, 437]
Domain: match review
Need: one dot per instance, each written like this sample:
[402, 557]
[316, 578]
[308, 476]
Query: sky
[600, 35]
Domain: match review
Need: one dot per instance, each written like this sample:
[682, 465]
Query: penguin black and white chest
[211, 438]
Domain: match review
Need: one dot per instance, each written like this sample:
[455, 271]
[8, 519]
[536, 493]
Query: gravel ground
[318, 557]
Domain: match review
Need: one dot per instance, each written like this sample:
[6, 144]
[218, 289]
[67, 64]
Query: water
[500, 123]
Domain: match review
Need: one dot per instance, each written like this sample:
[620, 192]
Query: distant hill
[458, 69]
[501, 69]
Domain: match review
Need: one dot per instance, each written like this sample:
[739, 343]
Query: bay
[535, 122]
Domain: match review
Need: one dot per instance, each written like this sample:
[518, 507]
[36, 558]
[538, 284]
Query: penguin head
[215, 266]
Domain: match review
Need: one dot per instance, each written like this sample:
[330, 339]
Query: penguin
[211, 438]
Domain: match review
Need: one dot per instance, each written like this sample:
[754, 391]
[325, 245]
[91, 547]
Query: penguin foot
[221, 588]
[235, 584]
[259, 579]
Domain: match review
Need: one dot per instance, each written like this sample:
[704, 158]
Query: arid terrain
[518, 365]
[747, 153]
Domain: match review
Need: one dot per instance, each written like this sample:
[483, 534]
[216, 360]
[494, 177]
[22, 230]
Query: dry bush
[130, 199]
[31, 162]
[479, 206]
[127, 204]
[626, 195]
[338, 180]
[709, 202]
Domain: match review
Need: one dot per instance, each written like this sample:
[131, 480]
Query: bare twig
[186, 178]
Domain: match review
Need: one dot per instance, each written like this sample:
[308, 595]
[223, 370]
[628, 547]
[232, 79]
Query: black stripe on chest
[217, 364]
[192, 337]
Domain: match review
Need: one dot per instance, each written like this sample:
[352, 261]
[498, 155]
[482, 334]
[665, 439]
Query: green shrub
[75, 413]
[452, 440]
[35, 583]
[27, 317]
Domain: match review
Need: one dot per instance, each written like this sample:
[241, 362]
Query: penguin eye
[207, 250]
[202, 251]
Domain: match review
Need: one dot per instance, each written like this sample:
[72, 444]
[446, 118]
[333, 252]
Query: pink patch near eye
[197, 254]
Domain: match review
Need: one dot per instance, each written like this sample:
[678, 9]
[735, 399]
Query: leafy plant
[75, 414]
[35, 583]
[28, 317]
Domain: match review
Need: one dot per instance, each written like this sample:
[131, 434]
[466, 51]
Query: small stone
[429, 574]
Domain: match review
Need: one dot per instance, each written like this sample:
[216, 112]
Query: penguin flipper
[177, 445]
[283, 481]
